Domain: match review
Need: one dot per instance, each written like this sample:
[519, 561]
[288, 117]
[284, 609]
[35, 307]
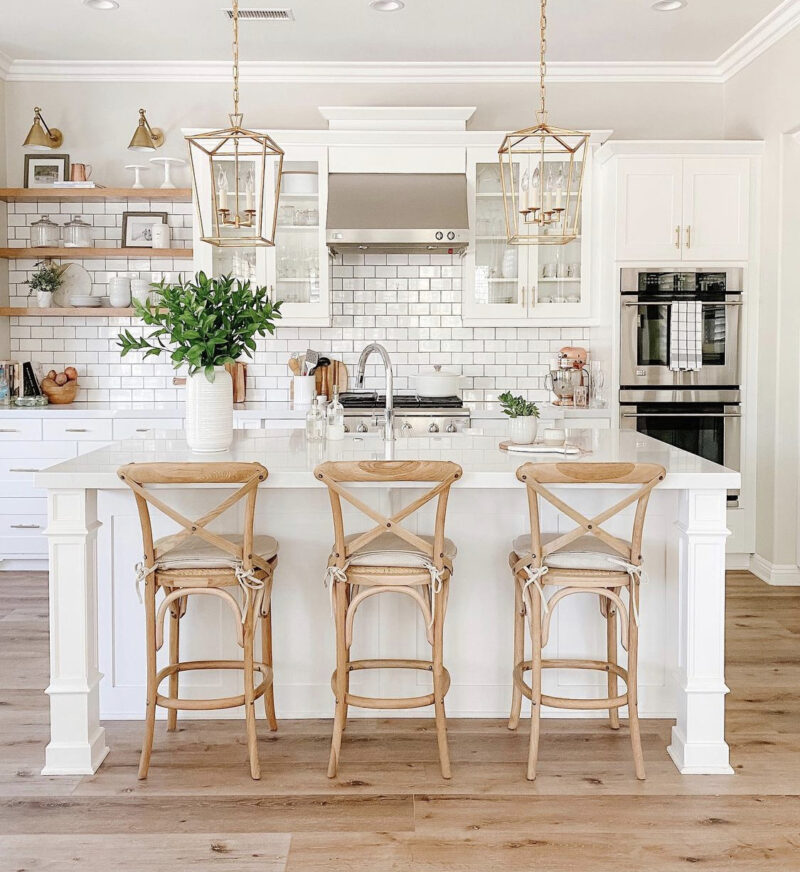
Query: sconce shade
[145, 137]
[41, 137]
[237, 179]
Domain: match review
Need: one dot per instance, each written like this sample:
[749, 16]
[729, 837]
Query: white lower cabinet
[135, 428]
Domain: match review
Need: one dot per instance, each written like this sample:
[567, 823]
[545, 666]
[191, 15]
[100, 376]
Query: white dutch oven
[435, 383]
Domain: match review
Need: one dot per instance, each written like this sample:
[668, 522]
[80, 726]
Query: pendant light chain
[542, 113]
[236, 57]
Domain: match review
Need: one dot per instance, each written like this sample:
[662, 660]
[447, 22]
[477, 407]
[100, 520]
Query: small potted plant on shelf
[203, 324]
[45, 281]
[523, 416]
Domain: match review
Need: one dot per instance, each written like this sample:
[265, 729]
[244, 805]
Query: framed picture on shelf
[44, 170]
[137, 228]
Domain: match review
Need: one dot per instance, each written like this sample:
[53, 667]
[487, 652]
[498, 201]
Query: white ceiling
[348, 30]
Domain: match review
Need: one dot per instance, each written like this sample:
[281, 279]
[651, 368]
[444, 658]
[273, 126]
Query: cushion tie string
[636, 573]
[248, 583]
[142, 572]
[437, 579]
[534, 578]
[332, 575]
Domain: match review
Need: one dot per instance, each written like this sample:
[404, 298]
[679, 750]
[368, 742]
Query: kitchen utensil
[436, 383]
[311, 360]
[295, 365]
[562, 382]
[238, 373]
[540, 448]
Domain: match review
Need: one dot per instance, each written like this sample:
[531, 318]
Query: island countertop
[290, 459]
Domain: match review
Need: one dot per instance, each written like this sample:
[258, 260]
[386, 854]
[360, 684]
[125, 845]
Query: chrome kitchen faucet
[388, 424]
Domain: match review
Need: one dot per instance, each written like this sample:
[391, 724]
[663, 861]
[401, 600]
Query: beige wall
[98, 119]
[763, 102]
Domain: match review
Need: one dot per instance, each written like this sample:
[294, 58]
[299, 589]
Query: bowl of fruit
[61, 388]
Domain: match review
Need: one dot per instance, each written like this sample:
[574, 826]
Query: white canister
[305, 389]
[119, 292]
[209, 411]
[44, 299]
[140, 290]
[553, 436]
[161, 236]
[522, 430]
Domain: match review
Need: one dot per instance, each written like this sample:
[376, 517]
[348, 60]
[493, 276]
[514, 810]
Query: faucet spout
[388, 424]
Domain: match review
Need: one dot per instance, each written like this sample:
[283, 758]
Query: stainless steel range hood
[387, 212]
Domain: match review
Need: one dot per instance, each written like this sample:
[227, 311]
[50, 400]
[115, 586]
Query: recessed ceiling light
[103, 5]
[386, 5]
[669, 5]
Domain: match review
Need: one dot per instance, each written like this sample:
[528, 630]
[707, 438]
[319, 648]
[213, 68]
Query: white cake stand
[168, 163]
[138, 169]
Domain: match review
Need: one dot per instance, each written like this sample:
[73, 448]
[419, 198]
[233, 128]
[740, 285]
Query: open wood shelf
[67, 195]
[86, 253]
[65, 312]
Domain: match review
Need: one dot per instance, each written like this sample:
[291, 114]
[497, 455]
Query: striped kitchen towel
[686, 335]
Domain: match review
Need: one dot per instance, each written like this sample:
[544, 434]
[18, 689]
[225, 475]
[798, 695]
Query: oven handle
[681, 414]
[670, 302]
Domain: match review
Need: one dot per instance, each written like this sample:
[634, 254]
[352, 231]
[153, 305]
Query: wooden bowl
[59, 395]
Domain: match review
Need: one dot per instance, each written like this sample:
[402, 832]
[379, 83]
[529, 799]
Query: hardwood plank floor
[389, 809]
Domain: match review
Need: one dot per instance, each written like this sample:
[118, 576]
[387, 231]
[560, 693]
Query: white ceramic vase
[209, 411]
[522, 430]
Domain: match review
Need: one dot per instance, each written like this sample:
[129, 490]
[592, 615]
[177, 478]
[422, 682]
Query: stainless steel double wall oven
[698, 410]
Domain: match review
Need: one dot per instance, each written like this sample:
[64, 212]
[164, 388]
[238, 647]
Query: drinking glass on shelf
[581, 396]
[598, 380]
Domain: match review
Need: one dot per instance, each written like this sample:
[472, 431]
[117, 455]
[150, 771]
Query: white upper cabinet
[715, 208]
[508, 285]
[650, 200]
[296, 270]
[683, 208]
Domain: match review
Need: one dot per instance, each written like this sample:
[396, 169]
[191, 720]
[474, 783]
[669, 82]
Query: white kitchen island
[97, 624]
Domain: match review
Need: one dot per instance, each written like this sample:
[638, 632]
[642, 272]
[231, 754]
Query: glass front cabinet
[296, 269]
[509, 284]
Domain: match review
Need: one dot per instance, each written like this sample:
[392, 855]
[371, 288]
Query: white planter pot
[522, 431]
[209, 411]
[44, 299]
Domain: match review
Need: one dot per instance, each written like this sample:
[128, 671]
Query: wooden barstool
[590, 560]
[196, 561]
[389, 559]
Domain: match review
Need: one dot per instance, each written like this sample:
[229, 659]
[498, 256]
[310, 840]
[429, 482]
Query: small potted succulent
[47, 279]
[203, 324]
[523, 417]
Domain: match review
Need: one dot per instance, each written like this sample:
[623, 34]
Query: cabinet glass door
[297, 249]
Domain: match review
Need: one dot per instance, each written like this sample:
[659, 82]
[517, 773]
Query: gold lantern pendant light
[541, 171]
[237, 176]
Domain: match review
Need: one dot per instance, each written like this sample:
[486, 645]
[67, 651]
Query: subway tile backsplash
[411, 303]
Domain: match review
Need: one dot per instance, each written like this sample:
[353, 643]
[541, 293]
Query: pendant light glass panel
[542, 198]
[237, 177]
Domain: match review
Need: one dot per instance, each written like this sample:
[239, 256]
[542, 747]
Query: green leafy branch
[517, 407]
[203, 323]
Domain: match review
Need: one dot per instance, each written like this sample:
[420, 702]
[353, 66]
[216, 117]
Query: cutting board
[540, 448]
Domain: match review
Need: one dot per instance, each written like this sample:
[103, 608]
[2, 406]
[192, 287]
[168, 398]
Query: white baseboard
[778, 574]
[737, 562]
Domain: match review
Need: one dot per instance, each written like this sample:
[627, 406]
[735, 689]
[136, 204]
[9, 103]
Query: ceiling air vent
[262, 14]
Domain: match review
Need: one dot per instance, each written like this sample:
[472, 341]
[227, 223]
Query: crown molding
[772, 28]
[766, 33]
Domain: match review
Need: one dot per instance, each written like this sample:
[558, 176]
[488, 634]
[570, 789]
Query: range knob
[451, 428]
[434, 427]
[451, 236]
[406, 428]
[439, 235]
[362, 427]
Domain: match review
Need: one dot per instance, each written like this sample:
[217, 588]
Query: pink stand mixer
[570, 380]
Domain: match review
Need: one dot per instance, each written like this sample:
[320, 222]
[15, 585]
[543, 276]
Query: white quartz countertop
[290, 459]
[479, 410]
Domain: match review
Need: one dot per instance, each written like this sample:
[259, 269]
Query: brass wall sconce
[145, 137]
[41, 137]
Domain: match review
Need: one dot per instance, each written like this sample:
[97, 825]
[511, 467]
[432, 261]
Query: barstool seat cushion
[389, 549]
[588, 552]
[195, 553]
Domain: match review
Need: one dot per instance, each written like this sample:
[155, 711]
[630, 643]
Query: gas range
[363, 412]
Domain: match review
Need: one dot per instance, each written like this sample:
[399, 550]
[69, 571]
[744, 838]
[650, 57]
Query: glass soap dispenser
[335, 416]
[315, 423]
[77, 233]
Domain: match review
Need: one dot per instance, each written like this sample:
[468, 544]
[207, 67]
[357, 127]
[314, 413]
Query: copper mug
[79, 172]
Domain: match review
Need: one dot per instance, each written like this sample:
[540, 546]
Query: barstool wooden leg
[266, 657]
[519, 654]
[439, 680]
[174, 657]
[249, 695]
[536, 680]
[611, 656]
[342, 657]
[152, 689]
[633, 684]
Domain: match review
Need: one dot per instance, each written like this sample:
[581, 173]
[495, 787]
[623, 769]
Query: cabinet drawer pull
[143, 429]
[678, 236]
[8, 430]
[25, 527]
[524, 296]
[76, 430]
[25, 469]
